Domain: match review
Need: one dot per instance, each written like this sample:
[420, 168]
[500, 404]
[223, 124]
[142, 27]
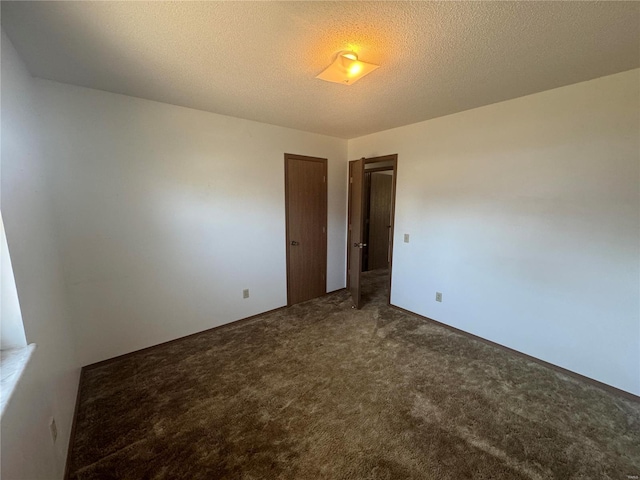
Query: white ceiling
[258, 60]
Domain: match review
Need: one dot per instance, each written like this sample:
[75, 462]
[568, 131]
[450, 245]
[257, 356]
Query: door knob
[294, 243]
[359, 245]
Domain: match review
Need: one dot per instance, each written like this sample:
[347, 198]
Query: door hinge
[351, 180]
[324, 179]
[324, 230]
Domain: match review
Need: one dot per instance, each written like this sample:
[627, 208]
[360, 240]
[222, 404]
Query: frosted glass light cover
[346, 69]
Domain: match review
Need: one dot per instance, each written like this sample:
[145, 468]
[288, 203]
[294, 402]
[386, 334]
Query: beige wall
[165, 214]
[526, 216]
[48, 386]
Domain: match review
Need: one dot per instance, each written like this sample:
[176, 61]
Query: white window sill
[12, 365]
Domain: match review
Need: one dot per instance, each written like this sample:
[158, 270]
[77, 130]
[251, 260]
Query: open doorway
[372, 188]
[378, 191]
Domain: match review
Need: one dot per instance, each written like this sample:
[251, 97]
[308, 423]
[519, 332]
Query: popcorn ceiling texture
[322, 391]
[258, 60]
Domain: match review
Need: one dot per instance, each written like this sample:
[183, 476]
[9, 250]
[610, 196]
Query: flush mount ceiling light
[346, 69]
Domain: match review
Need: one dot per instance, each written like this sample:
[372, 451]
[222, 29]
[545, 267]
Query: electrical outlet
[245, 293]
[406, 238]
[53, 429]
[438, 297]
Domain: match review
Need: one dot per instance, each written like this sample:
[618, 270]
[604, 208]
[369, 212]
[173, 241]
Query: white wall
[526, 216]
[49, 383]
[165, 214]
[11, 328]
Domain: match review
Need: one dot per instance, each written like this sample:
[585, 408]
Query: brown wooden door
[356, 228]
[306, 220]
[379, 220]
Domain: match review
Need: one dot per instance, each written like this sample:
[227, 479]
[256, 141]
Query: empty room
[320, 240]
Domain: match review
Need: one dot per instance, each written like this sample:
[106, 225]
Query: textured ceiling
[258, 60]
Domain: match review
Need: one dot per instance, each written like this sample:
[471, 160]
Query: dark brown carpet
[321, 391]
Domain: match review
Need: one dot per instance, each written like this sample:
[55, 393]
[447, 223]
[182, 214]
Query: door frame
[385, 158]
[292, 156]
